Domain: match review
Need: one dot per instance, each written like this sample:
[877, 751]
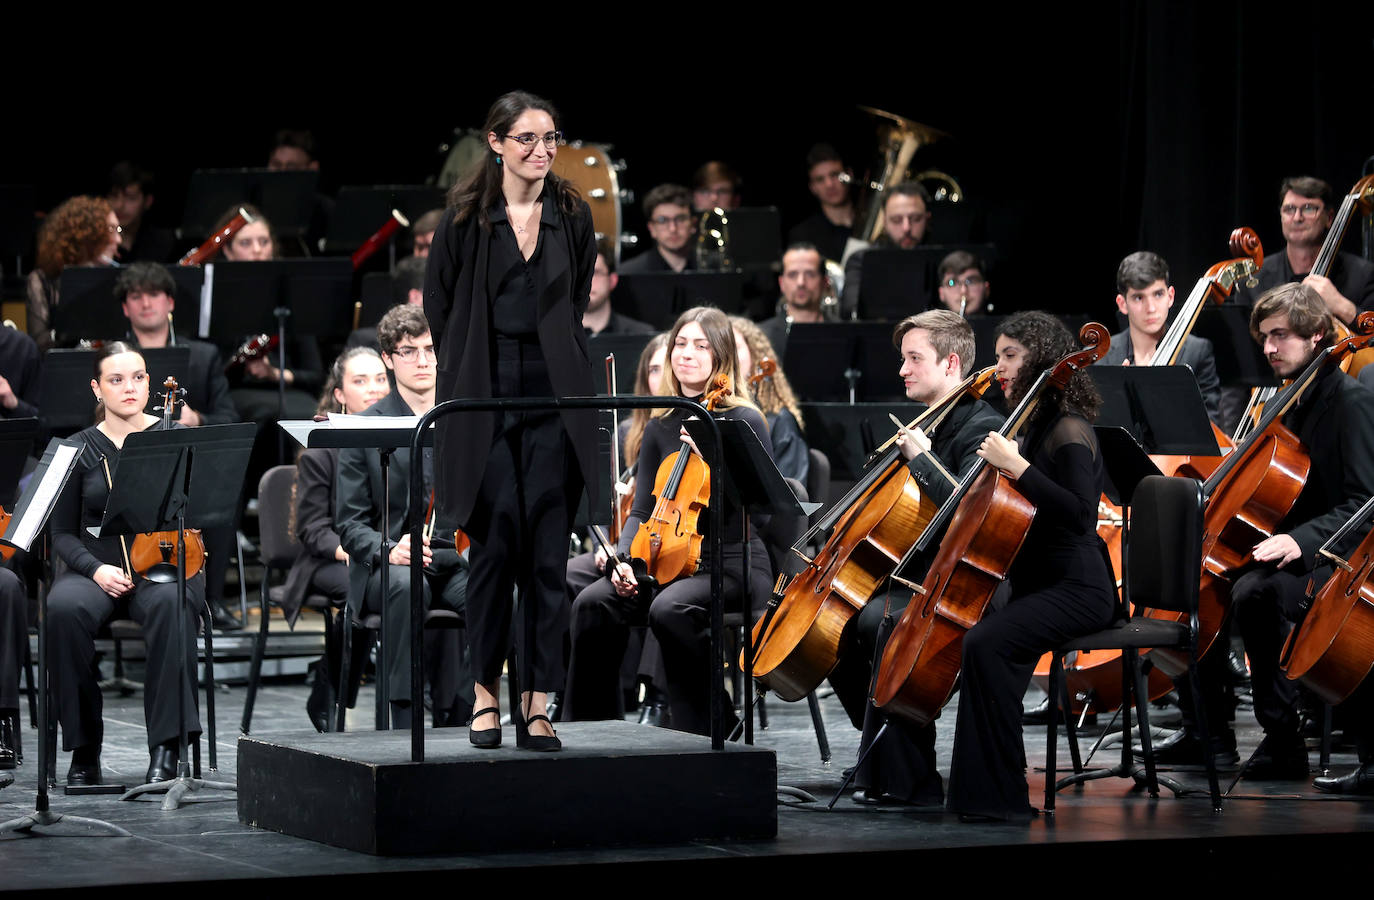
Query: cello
[1332, 651]
[1248, 496]
[988, 519]
[869, 530]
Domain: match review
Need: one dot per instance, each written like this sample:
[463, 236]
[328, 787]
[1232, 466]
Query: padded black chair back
[276, 517]
[1165, 544]
[818, 476]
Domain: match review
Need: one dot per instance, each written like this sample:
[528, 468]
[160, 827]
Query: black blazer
[314, 524]
[457, 306]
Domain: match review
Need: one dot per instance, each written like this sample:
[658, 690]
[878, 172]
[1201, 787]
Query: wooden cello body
[988, 519]
[1332, 651]
[871, 529]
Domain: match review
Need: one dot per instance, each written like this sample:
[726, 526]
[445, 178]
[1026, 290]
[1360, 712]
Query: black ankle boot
[9, 739]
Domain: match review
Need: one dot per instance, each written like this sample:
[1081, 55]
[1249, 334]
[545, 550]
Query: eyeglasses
[971, 281]
[551, 140]
[1288, 210]
[411, 353]
[679, 220]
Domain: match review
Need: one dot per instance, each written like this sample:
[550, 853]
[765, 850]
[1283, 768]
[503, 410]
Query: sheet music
[22, 531]
[346, 420]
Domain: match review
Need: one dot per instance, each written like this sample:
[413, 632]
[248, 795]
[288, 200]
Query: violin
[217, 240]
[668, 541]
[983, 525]
[1332, 651]
[867, 531]
[1248, 496]
[379, 239]
[154, 555]
[257, 346]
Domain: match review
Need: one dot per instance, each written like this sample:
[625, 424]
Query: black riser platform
[616, 783]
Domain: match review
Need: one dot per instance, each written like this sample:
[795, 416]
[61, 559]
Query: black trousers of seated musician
[902, 765]
[642, 661]
[447, 668]
[77, 608]
[14, 634]
[680, 619]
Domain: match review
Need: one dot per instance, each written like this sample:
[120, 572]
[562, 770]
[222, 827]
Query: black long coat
[457, 306]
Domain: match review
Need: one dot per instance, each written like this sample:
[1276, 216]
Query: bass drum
[590, 169]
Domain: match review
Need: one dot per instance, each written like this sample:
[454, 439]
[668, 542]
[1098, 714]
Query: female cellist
[701, 346]
[1060, 583]
[98, 585]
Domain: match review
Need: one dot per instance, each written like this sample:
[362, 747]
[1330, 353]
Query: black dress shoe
[223, 620]
[655, 714]
[83, 774]
[163, 763]
[485, 738]
[1184, 749]
[1040, 715]
[1360, 781]
[1278, 758]
[540, 743]
[9, 758]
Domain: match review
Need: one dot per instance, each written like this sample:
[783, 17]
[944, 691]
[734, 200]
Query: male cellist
[937, 348]
[1334, 420]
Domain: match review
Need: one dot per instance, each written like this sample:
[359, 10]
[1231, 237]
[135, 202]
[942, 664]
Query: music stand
[29, 522]
[385, 438]
[752, 482]
[89, 310]
[287, 199]
[755, 237]
[660, 297]
[843, 362]
[1160, 406]
[359, 210]
[626, 348]
[172, 480]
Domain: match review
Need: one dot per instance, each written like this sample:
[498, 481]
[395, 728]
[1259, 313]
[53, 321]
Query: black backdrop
[1080, 136]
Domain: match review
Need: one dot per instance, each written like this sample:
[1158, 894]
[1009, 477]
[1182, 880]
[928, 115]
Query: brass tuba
[898, 141]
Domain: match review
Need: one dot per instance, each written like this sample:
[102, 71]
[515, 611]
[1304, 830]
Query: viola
[1248, 496]
[867, 532]
[980, 529]
[668, 541]
[1332, 651]
[157, 550]
[217, 240]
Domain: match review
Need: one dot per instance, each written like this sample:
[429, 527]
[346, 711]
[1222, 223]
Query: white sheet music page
[23, 531]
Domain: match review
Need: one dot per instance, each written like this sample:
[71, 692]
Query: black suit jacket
[314, 524]
[1196, 354]
[1352, 276]
[457, 305]
[955, 442]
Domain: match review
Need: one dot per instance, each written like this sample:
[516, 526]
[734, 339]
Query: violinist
[937, 349]
[357, 380]
[701, 345]
[408, 351]
[14, 634]
[98, 585]
[1061, 582]
[1334, 420]
[1145, 296]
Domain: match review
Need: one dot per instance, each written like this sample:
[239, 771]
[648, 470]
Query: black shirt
[19, 366]
[829, 238]
[1352, 276]
[511, 279]
[651, 261]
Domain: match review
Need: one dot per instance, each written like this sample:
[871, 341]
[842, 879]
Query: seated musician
[599, 317]
[831, 183]
[906, 216]
[1334, 420]
[1061, 581]
[963, 285]
[1145, 296]
[1307, 207]
[18, 374]
[937, 348]
[408, 351]
[802, 284]
[81, 231]
[586, 568]
[98, 586]
[668, 215]
[14, 635]
[715, 185]
[700, 345]
[131, 195]
[422, 233]
[147, 295]
[357, 380]
[775, 400]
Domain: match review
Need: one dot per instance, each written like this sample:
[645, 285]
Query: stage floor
[204, 842]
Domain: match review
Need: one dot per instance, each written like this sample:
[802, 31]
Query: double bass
[1332, 651]
[988, 519]
[868, 530]
[1248, 496]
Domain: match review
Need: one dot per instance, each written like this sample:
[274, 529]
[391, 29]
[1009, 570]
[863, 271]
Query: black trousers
[445, 649]
[679, 617]
[77, 608]
[988, 771]
[14, 634]
[582, 573]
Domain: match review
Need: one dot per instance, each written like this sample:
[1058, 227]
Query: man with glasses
[1305, 215]
[1144, 296]
[963, 284]
[408, 351]
[906, 216]
[668, 212]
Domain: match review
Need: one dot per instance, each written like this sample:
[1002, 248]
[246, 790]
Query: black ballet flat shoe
[540, 743]
[84, 774]
[1358, 782]
[485, 738]
[163, 764]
